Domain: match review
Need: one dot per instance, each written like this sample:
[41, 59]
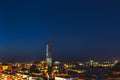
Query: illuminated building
[5, 67]
[65, 78]
[91, 62]
[27, 66]
[1, 69]
[10, 67]
[49, 53]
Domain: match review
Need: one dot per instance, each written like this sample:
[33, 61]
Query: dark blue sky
[79, 29]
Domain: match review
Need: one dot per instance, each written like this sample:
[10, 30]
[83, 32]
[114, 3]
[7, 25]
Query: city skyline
[79, 30]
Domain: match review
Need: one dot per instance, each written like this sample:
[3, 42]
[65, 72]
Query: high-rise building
[49, 53]
[91, 62]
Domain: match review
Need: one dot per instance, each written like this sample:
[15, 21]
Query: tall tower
[49, 53]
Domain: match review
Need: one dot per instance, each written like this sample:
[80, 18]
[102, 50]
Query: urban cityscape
[59, 39]
[48, 69]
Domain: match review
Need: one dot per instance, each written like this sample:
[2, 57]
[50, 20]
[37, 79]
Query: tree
[34, 69]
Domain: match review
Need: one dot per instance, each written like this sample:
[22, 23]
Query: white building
[65, 78]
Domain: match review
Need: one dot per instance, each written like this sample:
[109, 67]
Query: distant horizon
[63, 59]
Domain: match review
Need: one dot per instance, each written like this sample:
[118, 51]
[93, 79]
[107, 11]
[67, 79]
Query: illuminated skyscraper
[49, 53]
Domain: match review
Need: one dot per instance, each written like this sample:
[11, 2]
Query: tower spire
[49, 53]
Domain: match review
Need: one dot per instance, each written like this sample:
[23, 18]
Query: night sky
[78, 29]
